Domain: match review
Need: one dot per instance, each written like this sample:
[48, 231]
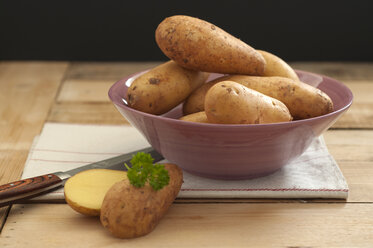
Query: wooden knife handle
[27, 188]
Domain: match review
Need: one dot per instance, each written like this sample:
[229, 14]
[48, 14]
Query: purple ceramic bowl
[232, 151]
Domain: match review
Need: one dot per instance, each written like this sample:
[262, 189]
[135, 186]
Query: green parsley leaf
[143, 171]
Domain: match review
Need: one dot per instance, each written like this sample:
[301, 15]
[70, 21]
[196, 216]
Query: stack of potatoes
[257, 86]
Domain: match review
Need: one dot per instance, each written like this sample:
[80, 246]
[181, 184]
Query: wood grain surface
[201, 225]
[27, 92]
[32, 93]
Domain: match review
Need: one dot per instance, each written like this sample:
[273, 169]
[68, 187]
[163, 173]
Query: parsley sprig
[143, 170]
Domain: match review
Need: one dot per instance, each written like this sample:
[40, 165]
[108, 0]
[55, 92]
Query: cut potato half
[85, 191]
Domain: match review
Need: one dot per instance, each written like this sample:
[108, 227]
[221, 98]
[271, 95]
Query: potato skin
[275, 66]
[228, 102]
[163, 88]
[303, 100]
[200, 45]
[196, 101]
[129, 212]
[196, 117]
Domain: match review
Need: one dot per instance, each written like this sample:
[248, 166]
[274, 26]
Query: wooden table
[32, 93]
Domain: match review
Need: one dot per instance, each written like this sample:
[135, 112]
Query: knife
[30, 187]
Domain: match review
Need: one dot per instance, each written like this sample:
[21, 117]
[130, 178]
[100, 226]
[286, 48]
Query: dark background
[124, 30]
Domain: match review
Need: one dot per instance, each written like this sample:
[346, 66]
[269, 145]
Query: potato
[200, 45]
[85, 191]
[228, 102]
[303, 100]
[275, 66]
[163, 88]
[129, 212]
[196, 117]
[196, 101]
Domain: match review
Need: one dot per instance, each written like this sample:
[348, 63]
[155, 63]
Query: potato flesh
[85, 191]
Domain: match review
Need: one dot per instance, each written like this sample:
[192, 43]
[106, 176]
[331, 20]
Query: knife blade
[14, 192]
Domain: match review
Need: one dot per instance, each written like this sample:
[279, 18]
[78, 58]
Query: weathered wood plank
[338, 70]
[11, 166]
[116, 70]
[84, 90]
[202, 225]
[360, 114]
[27, 91]
[353, 151]
[86, 113]
[83, 97]
[110, 71]
[90, 81]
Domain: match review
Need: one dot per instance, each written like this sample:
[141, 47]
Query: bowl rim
[210, 125]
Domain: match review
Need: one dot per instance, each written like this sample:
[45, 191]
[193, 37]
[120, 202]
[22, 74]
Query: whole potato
[275, 66]
[228, 102]
[196, 100]
[129, 212]
[196, 117]
[303, 100]
[163, 88]
[200, 45]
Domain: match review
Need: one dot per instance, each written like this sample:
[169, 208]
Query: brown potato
[196, 101]
[200, 45]
[275, 66]
[303, 100]
[163, 88]
[129, 212]
[196, 117]
[228, 102]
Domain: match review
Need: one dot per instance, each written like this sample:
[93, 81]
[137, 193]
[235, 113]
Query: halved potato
[85, 191]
